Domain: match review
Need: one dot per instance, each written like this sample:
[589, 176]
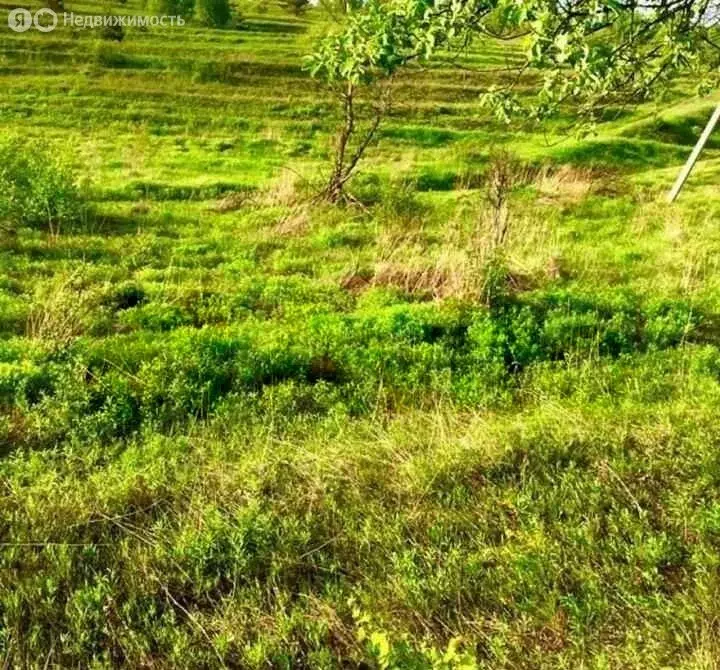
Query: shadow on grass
[622, 154]
[162, 192]
[683, 130]
[255, 26]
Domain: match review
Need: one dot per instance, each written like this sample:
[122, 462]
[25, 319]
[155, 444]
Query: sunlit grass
[241, 428]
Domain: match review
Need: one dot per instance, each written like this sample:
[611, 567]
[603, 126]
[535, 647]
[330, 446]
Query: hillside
[242, 428]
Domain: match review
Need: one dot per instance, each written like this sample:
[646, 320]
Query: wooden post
[682, 177]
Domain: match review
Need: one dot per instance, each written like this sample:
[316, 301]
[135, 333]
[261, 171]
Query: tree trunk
[334, 191]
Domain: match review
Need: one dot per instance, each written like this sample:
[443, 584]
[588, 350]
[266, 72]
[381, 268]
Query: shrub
[503, 175]
[22, 381]
[154, 316]
[37, 189]
[214, 13]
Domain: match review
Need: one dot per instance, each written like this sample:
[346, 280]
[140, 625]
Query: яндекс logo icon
[20, 20]
[44, 20]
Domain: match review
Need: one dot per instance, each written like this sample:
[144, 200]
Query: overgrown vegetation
[38, 190]
[588, 55]
[464, 419]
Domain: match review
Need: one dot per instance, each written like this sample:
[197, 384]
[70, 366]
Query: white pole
[682, 177]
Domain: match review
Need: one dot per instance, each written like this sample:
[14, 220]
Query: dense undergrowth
[239, 428]
[109, 389]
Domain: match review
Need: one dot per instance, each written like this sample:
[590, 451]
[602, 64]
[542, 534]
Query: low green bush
[109, 55]
[113, 386]
[37, 189]
[154, 316]
[23, 382]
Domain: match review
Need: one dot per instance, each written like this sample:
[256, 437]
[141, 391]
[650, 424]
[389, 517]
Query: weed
[60, 311]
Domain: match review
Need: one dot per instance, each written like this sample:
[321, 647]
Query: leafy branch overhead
[590, 52]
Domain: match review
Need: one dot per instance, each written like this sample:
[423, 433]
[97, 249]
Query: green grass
[239, 428]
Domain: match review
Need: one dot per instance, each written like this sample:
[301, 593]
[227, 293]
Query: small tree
[591, 53]
[359, 65]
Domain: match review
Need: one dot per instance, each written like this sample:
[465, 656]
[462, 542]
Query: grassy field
[241, 428]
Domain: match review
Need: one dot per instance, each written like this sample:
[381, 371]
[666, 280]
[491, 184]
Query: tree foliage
[591, 53]
[586, 50]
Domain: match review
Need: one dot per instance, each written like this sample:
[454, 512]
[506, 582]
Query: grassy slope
[278, 438]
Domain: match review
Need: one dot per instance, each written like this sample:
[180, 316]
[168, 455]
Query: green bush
[23, 381]
[37, 190]
[214, 13]
[320, 363]
[154, 317]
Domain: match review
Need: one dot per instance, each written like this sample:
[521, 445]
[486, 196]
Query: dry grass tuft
[294, 223]
[140, 209]
[555, 268]
[60, 310]
[232, 202]
[436, 280]
[571, 183]
[284, 191]
[354, 281]
[500, 249]
[281, 192]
